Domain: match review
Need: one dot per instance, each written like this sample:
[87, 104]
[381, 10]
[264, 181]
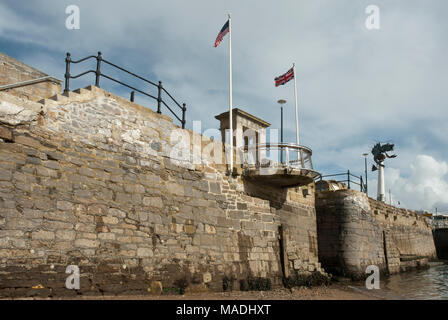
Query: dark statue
[380, 152]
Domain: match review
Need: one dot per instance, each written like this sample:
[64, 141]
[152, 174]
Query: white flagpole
[230, 94]
[299, 153]
[297, 106]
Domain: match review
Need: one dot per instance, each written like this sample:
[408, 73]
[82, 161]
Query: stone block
[190, 229]
[106, 236]
[87, 243]
[116, 213]
[5, 175]
[154, 202]
[5, 134]
[30, 142]
[64, 206]
[210, 229]
[66, 235]
[86, 172]
[144, 252]
[155, 288]
[109, 220]
[98, 210]
[175, 189]
[42, 235]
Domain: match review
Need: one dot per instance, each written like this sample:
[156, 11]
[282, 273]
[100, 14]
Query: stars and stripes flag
[282, 80]
[222, 33]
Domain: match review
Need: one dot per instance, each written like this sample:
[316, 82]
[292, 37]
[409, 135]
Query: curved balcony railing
[288, 155]
[439, 222]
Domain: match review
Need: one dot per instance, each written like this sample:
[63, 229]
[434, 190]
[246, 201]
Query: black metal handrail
[350, 179]
[99, 74]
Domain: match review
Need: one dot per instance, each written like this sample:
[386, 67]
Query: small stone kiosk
[251, 157]
[249, 132]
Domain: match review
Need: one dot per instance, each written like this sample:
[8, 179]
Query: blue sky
[356, 86]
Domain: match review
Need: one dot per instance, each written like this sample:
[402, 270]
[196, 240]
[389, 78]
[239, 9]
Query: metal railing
[350, 180]
[439, 222]
[98, 74]
[281, 154]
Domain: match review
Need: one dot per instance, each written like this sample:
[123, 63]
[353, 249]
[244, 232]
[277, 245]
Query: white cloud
[356, 87]
[424, 189]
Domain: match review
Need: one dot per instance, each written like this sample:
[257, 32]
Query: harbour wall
[92, 180]
[356, 231]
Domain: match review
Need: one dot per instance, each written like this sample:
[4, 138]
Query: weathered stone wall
[13, 71]
[411, 232]
[356, 231]
[350, 239]
[96, 181]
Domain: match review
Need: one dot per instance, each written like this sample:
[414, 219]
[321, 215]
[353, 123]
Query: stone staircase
[79, 95]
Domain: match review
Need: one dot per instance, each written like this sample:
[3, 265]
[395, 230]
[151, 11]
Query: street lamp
[281, 103]
[365, 161]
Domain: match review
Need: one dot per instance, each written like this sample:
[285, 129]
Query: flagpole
[230, 94]
[297, 106]
[299, 153]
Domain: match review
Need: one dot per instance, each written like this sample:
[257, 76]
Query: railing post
[68, 60]
[132, 96]
[159, 99]
[302, 161]
[98, 69]
[348, 178]
[361, 183]
[184, 111]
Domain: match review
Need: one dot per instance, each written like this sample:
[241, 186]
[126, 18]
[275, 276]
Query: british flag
[282, 80]
[222, 33]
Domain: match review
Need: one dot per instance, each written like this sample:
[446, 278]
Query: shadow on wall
[277, 197]
[441, 243]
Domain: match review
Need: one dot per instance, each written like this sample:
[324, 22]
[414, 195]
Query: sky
[356, 86]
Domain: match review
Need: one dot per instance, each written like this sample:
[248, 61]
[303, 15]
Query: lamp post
[365, 162]
[281, 103]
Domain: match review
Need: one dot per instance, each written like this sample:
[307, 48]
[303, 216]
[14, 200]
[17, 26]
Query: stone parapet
[13, 71]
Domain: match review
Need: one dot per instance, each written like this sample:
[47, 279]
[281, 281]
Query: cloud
[424, 189]
[356, 87]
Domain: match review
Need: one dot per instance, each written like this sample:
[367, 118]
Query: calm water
[422, 285]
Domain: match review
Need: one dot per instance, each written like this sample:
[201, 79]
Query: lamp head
[282, 102]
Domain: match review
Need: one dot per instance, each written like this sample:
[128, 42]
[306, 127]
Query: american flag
[222, 33]
[282, 80]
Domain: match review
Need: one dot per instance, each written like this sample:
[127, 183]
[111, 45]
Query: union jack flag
[282, 80]
[222, 33]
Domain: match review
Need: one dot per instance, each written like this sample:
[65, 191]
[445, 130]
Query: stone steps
[80, 94]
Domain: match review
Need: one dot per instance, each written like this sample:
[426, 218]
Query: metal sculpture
[380, 153]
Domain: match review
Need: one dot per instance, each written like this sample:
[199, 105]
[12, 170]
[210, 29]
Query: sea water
[426, 284]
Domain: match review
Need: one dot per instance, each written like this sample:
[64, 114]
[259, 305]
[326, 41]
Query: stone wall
[356, 231]
[13, 71]
[93, 180]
